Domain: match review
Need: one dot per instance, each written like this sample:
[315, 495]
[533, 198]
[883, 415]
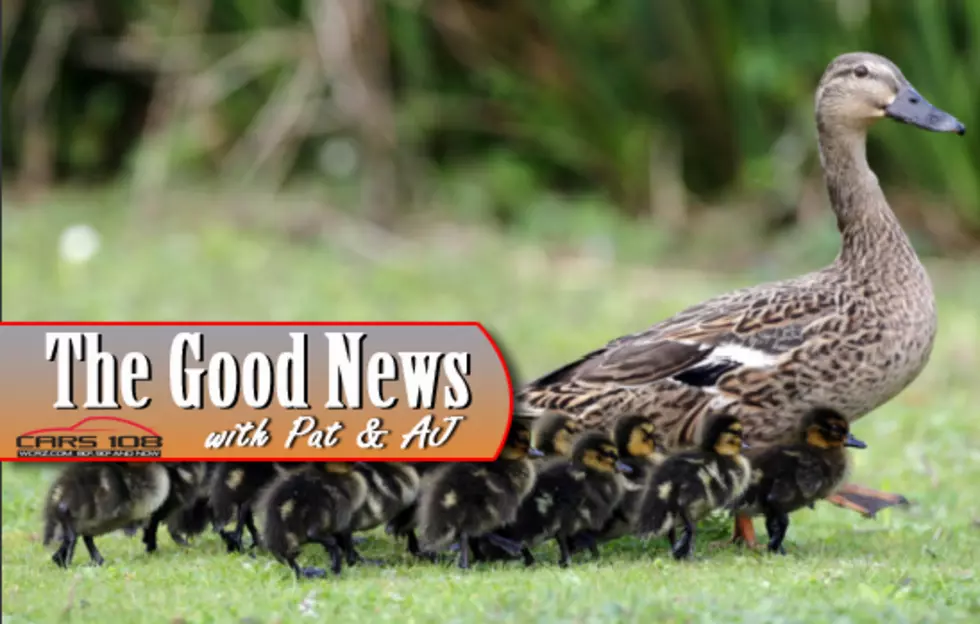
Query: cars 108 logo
[94, 437]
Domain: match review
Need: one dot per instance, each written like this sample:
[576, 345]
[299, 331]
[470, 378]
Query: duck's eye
[861, 71]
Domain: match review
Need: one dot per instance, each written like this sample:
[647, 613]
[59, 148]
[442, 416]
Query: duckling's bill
[623, 467]
[853, 442]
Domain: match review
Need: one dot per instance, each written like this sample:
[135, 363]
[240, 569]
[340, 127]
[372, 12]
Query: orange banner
[252, 391]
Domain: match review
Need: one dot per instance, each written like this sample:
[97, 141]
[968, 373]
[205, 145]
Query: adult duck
[848, 337]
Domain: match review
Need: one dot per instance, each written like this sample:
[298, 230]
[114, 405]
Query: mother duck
[850, 336]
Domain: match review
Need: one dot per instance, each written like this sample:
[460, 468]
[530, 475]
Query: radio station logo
[93, 437]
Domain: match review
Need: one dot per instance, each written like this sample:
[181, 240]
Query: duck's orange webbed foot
[865, 501]
[744, 532]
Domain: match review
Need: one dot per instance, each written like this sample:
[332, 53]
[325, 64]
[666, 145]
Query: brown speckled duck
[850, 336]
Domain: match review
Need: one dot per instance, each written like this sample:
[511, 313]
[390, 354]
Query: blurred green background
[521, 114]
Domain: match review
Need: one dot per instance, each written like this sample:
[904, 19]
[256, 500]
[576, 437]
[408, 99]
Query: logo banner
[252, 391]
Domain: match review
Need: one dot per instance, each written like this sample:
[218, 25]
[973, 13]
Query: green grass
[918, 565]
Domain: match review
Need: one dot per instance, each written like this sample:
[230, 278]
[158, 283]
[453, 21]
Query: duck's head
[555, 433]
[859, 88]
[827, 429]
[635, 436]
[518, 442]
[595, 450]
[722, 434]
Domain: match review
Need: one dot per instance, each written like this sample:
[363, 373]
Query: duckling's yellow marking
[578, 475]
[286, 509]
[235, 478]
[450, 499]
[664, 490]
[757, 475]
[56, 493]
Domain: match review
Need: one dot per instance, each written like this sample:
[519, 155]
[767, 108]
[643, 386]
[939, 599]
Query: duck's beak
[745, 445]
[911, 108]
[533, 452]
[624, 468]
[854, 442]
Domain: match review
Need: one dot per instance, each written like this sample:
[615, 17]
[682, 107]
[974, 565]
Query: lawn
[916, 565]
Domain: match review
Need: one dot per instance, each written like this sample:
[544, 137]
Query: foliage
[615, 99]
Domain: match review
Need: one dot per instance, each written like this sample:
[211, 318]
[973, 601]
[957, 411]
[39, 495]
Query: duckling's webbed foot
[684, 547]
[865, 501]
[350, 551]
[744, 531]
[511, 547]
[93, 552]
[234, 539]
[312, 573]
[776, 525]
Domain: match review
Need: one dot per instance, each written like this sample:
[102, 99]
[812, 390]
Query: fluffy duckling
[554, 435]
[392, 487]
[88, 500]
[569, 497]
[691, 484]
[635, 437]
[461, 501]
[786, 478]
[233, 491]
[313, 504]
[194, 517]
[188, 480]
[405, 522]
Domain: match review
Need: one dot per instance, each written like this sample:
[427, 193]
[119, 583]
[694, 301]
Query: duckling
[554, 435]
[405, 522]
[92, 499]
[636, 440]
[392, 487]
[691, 484]
[187, 482]
[570, 496]
[234, 487]
[465, 500]
[194, 517]
[312, 504]
[786, 478]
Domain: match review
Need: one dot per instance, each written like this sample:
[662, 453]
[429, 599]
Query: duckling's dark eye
[861, 71]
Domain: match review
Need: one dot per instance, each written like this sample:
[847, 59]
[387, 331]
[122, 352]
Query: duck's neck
[872, 237]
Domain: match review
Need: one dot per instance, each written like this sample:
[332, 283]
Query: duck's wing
[747, 329]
